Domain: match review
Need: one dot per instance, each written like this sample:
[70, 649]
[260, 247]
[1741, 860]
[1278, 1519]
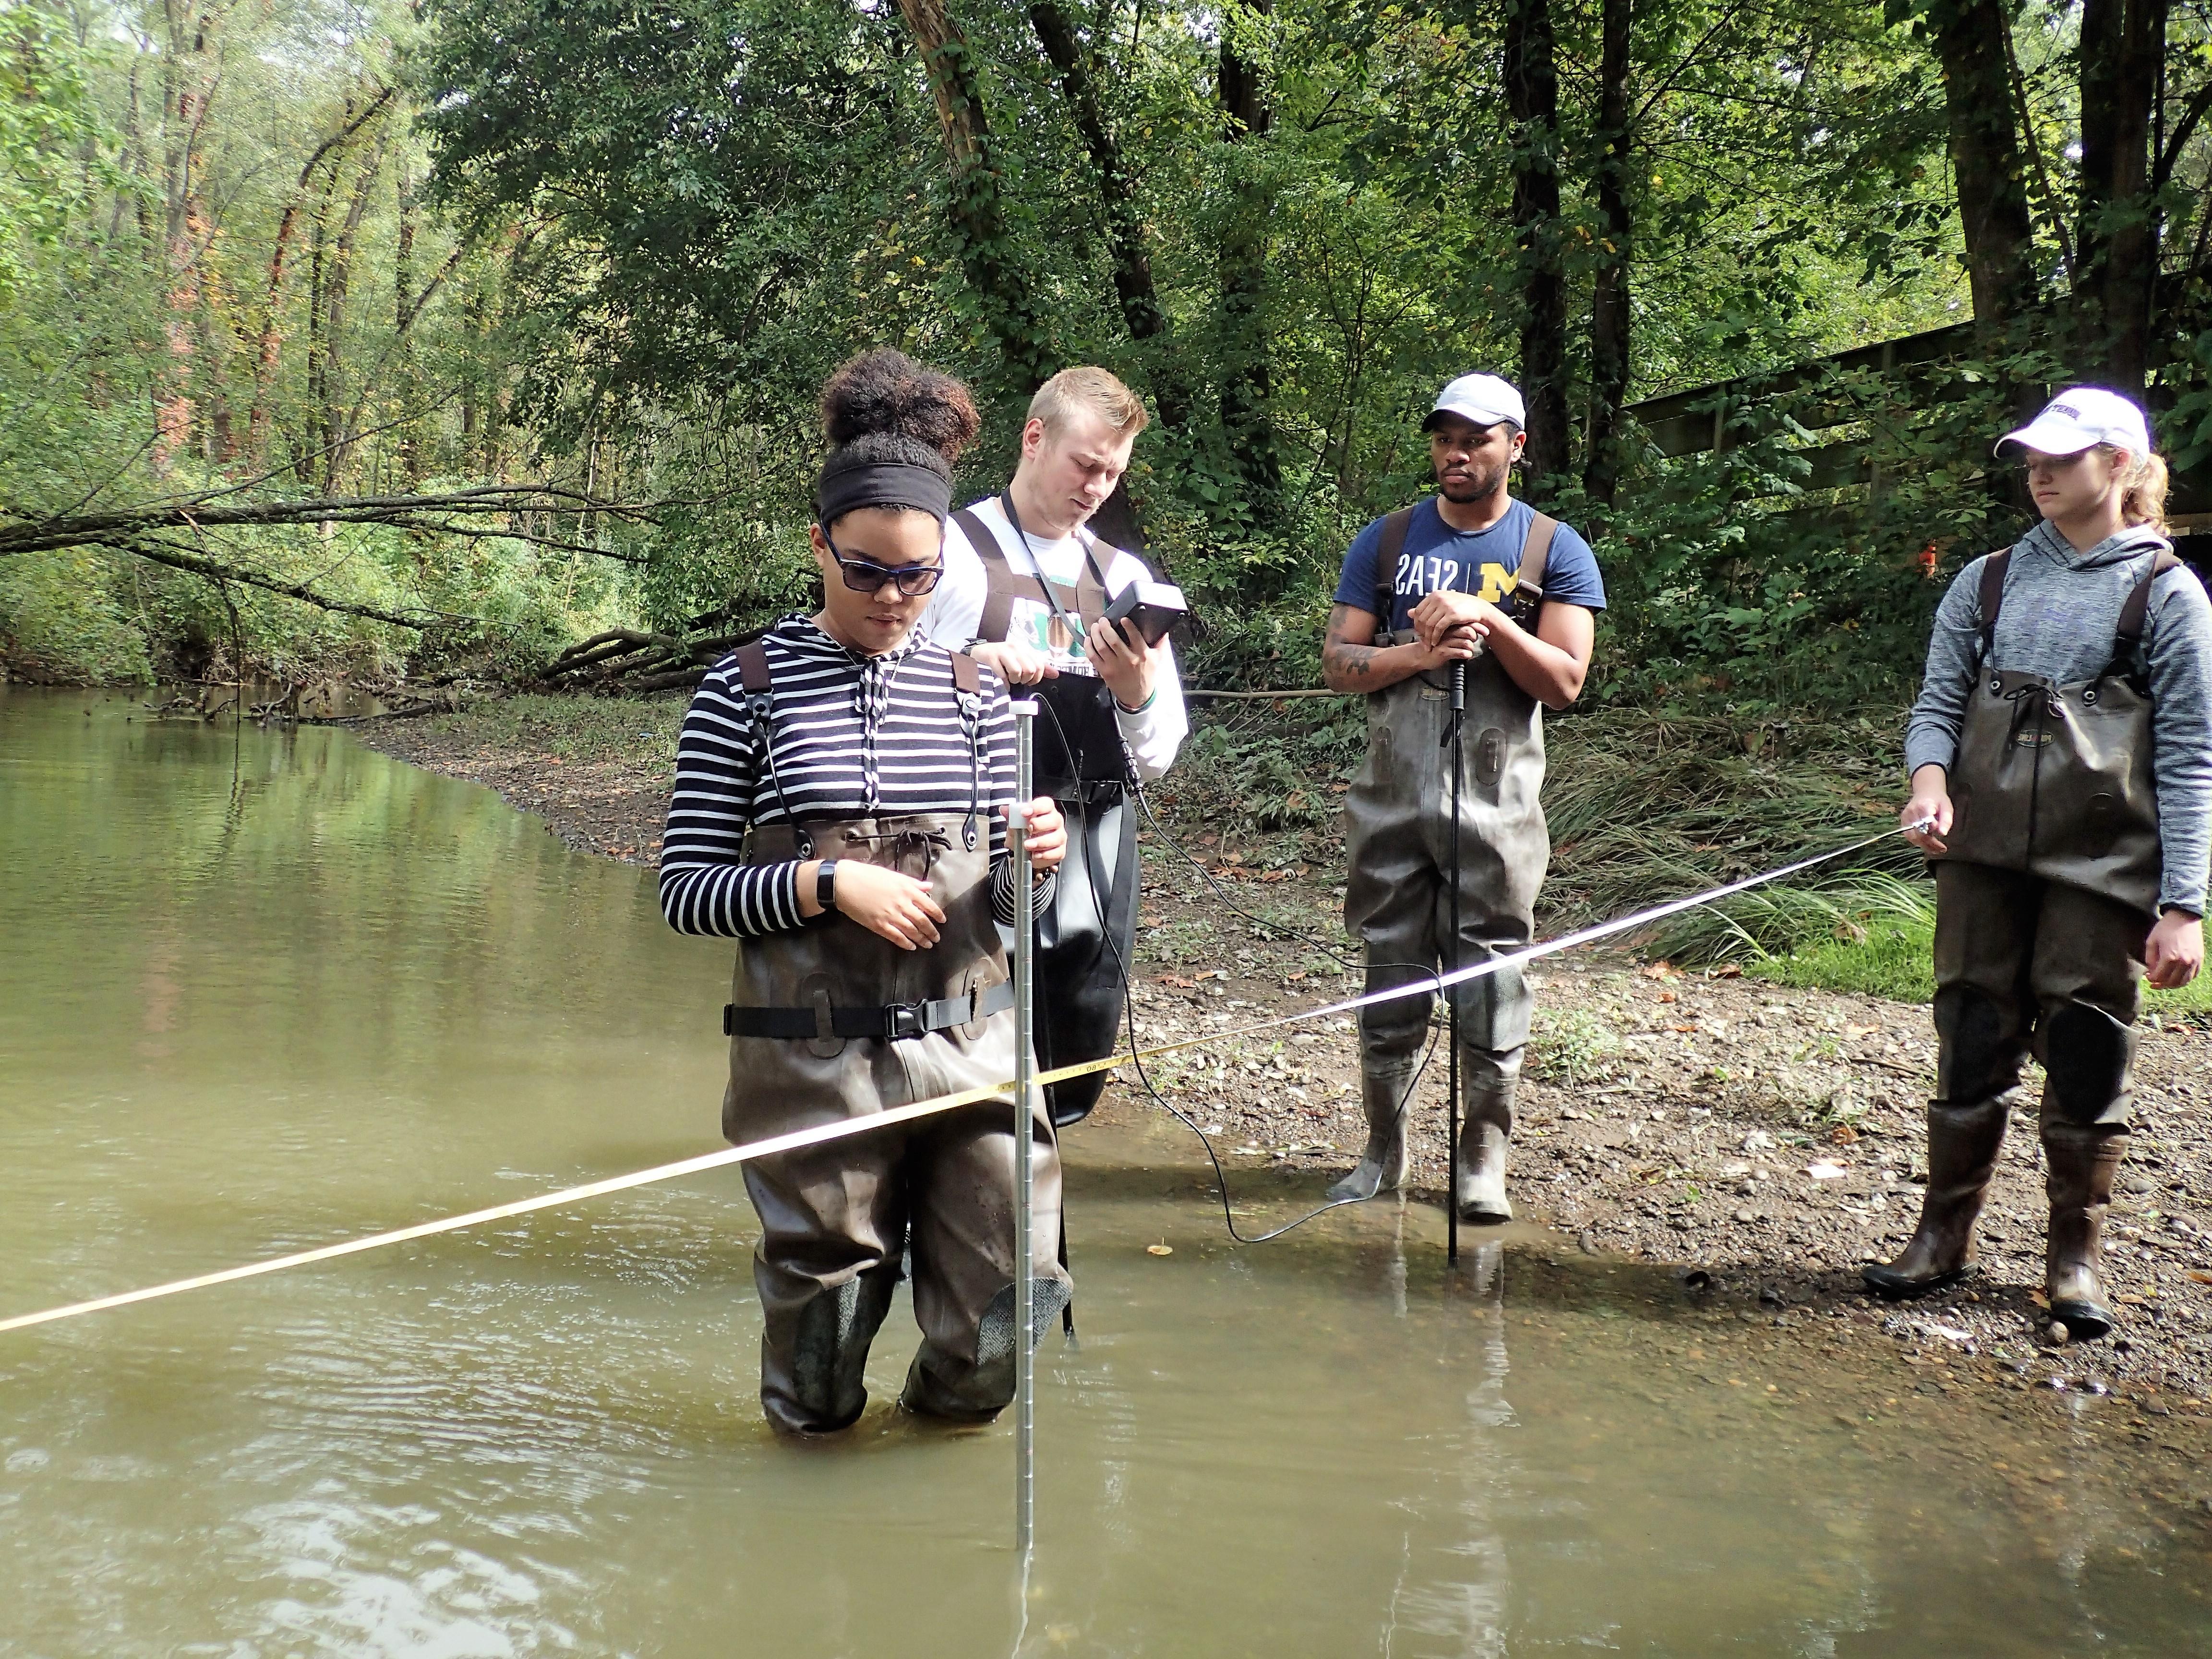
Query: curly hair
[884, 406]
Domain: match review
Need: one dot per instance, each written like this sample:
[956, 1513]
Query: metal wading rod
[1024, 1089]
[842, 1128]
[1452, 963]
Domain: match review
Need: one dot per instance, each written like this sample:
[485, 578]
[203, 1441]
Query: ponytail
[2143, 483]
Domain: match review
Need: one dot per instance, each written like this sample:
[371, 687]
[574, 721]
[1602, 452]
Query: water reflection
[265, 989]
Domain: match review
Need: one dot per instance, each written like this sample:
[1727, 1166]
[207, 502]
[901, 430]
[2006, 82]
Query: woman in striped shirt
[841, 793]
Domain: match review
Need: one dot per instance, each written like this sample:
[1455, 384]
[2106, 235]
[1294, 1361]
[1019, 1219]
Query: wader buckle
[905, 1019]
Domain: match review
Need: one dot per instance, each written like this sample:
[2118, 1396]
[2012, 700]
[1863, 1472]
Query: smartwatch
[825, 883]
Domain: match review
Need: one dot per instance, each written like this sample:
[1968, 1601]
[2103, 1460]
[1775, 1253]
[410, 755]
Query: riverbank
[1762, 1139]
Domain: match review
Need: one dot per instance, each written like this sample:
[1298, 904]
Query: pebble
[1746, 1217]
[2055, 1336]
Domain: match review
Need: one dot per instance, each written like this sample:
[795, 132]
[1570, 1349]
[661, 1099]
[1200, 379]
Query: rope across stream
[819, 1134]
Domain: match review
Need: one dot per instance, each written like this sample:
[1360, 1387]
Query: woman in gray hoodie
[2060, 758]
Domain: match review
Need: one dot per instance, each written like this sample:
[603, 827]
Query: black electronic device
[1153, 608]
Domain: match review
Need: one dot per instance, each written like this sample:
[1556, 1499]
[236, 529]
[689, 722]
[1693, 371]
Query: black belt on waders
[891, 1023]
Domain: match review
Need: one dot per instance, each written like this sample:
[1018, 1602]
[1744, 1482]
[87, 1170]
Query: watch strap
[825, 883]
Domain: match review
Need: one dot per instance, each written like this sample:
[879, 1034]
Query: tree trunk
[270, 344]
[2122, 68]
[1117, 197]
[1986, 162]
[1609, 301]
[1246, 385]
[995, 269]
[338, 443]
[188, 85]
[402, 317]
[1532, 98]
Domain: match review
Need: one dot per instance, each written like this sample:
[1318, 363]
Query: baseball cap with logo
[1483, 399]
[2079, 418]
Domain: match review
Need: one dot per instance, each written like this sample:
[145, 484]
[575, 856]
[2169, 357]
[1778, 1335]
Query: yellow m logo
[1497, 583]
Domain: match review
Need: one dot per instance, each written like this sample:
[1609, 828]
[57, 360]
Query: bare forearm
[1348, 667]
[1552, 676]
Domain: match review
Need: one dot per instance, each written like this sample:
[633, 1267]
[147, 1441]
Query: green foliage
[1889, 959]
[65, 619]
[49, 135]
[1572, 1048]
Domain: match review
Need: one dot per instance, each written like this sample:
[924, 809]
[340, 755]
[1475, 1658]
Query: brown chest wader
[1399, 898]
[834, 1022]
[2044, 897]
[1086, 941]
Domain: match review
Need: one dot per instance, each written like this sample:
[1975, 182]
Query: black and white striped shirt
[854, 737]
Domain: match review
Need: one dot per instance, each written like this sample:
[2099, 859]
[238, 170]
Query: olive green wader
[1398, 898]
[2046, 896]
[834, 1022]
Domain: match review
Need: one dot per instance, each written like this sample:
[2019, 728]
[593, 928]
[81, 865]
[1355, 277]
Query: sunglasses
[867, 576]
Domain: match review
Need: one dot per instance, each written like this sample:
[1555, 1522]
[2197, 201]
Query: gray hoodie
[2061, 610]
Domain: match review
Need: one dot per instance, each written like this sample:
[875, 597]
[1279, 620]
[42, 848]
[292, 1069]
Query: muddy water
[263, 991]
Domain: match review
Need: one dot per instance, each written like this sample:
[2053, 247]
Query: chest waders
[1081, 966]
[834, 1022]
[1413, 917]
[2044, 899]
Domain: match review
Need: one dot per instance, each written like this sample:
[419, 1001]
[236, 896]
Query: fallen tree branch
[177, 558]
[22, 533]
[513, 535]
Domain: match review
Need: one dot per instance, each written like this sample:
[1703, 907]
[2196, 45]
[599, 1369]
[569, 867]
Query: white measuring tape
[796, 1138]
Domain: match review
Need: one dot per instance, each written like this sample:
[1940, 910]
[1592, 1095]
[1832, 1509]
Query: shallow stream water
[266, 990]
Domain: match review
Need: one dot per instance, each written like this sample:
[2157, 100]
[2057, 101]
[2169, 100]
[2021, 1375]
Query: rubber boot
[1382, 1167]
[1962, 1154]
[1479, 1170]
[2079, 1162]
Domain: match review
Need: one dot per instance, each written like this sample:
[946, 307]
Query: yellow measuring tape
[797, 1139]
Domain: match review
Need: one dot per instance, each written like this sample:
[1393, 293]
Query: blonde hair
[2142, 484]
[1092, 389]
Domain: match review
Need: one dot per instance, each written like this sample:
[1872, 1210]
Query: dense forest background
[385, 340]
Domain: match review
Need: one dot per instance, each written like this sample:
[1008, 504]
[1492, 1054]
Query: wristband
[1151, 697]
[825, 883]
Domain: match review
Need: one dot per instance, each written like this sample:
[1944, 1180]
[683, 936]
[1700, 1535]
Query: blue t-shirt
[1437, 556]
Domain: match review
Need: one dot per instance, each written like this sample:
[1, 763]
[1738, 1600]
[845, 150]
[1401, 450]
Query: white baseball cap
[1483, 399]
[2080, 417]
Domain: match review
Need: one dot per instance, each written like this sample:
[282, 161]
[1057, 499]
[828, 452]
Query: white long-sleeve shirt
[1153, 734]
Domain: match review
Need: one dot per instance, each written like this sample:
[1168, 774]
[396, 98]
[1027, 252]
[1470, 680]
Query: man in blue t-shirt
[1471, 579]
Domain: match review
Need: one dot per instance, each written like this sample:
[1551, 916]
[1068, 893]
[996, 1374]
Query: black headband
[880, 484]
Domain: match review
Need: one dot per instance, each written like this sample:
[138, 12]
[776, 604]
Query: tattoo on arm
[1343, 655]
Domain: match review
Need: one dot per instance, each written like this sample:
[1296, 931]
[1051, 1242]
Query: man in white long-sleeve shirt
[1112, 704]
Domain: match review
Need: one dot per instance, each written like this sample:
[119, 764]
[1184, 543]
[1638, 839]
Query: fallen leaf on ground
[1860, 1030]
[1178, 982]
[1843, 1135]
[1662, 970]
[1825, 1172]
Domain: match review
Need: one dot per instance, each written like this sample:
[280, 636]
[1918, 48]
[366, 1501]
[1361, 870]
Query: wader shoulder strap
[2136, 610]
[756, 680]
[2127, 637]
[1395, 526]
[1535, 559]
[968, 694]
[753, 668]
[1001, 586]
[1992, 598]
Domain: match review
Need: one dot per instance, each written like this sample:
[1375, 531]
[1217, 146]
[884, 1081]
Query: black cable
[1129, 1007]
